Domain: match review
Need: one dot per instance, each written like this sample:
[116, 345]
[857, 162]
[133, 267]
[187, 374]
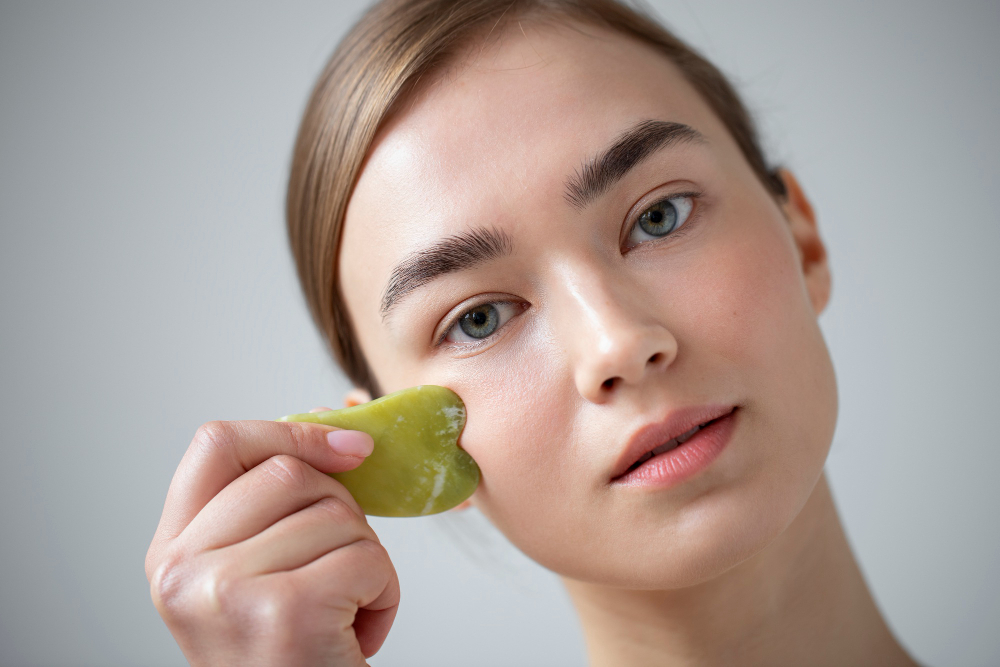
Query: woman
[561, 212]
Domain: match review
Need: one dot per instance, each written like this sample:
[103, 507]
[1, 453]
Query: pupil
[659, 220]
[481, 321]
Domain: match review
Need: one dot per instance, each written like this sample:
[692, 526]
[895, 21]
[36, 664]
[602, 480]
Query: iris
[481, 321]
[659, 219]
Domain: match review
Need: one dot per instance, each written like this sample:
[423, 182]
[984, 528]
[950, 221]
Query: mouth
[667, 446]
[657, 439]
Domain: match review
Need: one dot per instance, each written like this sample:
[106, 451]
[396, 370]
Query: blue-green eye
[660, 219]
[481, 321]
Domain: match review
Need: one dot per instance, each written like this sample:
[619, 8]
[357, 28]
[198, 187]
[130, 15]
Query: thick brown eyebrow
[453, 253]
[598, 174]
[469, 249]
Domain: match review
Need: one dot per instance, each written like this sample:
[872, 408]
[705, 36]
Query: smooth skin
[744, 563]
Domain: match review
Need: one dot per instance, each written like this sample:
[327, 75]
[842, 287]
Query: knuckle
[288, 471]
[300, 435]
[186, 592]
[372, 552]
[337, 510]
[219, 592]
[168, 583]
[215, 435]
[278, 609]
[335, 489]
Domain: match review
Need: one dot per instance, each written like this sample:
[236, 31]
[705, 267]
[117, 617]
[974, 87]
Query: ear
[356, 396]
[812, 253]
[462, 506]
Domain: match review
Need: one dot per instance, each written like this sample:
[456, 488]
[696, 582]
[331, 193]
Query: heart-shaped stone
[417, 467]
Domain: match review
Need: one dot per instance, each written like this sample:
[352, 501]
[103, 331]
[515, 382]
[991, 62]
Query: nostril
[655, 359]
[608, 384]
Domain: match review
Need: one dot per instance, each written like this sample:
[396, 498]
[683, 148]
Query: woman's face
[602, 292]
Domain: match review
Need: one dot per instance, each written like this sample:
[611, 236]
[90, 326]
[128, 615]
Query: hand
[261, 558]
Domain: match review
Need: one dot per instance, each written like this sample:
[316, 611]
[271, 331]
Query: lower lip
[686, 460]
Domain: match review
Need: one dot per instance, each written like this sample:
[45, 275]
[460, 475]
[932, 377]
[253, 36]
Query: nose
[617, 340]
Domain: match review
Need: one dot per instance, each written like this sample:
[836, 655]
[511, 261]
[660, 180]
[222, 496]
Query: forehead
[505, 128]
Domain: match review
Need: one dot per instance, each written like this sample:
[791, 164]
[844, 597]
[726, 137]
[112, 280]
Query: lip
[687, 458]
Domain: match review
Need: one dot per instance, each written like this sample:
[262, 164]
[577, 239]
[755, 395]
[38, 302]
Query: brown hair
[386, 53]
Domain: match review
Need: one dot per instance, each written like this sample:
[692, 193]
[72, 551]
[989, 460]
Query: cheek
[743, 309]
[778, 338]
[744, 296]
[518, 421]
[758, 322]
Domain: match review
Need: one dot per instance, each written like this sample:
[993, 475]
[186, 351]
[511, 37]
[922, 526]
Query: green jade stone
[417, 467]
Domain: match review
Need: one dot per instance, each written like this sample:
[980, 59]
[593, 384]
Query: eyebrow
[453, 253]
[598, 174]
[469, 249]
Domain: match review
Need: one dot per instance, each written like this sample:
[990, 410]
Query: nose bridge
[599, 307]
[614, 337]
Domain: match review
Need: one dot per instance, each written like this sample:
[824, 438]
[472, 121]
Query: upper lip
[677, 423]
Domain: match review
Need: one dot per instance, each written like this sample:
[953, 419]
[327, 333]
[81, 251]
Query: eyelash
[688, 223]
[453, 322]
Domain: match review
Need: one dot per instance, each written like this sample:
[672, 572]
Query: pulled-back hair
[381, 59]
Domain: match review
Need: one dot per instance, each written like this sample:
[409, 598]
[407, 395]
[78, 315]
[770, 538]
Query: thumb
[348, 443]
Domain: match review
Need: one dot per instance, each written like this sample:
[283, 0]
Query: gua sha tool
[417, 467]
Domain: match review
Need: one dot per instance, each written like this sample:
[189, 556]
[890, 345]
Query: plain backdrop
[146, 287]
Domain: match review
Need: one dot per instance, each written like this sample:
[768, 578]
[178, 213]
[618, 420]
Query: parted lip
[677, 423]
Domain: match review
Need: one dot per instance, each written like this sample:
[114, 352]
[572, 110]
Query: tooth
[687, 436]
[666, 447]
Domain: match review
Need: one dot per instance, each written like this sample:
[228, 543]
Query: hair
[394, 45]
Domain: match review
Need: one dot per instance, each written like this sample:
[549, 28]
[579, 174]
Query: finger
[321, 409]
[360, 574]
[371, 627]
[222, 451]
[255, 501]
[302, 537]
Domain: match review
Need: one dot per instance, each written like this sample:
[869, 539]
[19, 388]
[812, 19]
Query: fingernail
[351, 443]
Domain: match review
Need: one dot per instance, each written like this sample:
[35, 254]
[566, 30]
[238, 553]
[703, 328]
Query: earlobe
[356, 396]
[805, 233]
[462, 506]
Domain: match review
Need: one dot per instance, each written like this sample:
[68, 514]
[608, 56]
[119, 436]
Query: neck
[800, 601]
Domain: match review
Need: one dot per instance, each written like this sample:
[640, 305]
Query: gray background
[146, 287]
